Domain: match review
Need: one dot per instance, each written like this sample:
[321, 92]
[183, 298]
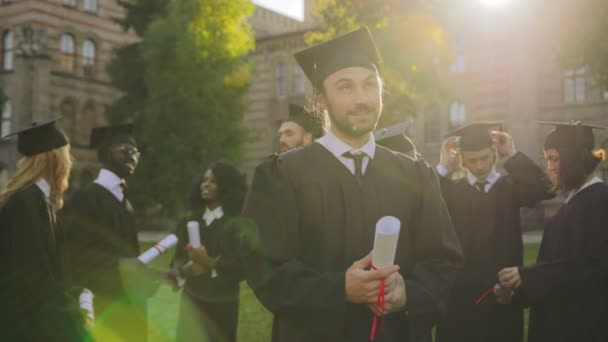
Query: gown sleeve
[530, 184]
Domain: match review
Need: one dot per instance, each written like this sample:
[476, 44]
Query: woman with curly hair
[566, 288]
[212, 273]
[35, 305]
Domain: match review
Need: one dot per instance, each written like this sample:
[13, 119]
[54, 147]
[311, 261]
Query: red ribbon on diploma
[380, 300]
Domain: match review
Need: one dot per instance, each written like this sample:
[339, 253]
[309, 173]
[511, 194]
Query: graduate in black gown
[209, 308]
[301, 128]
[316, 209]
[567, 287]
[34, 302]
[484, 207]
[102, 240]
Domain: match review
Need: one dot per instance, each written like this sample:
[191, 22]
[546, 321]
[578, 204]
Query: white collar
[44, 186]
[112, 182]
[490, 179]
[589, 183]
[211, 215]
[338, 147]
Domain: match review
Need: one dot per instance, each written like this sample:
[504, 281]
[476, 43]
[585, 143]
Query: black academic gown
[209, 309]
[488, 225]
[567, 289]
[100, 232]
[315, 221]
[34, 304]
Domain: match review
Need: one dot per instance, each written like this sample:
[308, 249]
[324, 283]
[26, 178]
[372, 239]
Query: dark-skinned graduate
[35, 305]
[102, 240]
[485, 206]
[316, 209]
[566, 287]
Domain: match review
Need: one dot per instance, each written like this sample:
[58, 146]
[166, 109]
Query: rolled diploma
[385, 242]
[86, 303]
[159, 249]
[194, 235]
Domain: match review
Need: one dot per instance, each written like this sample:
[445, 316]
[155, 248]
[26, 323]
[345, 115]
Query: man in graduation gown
[102, 240]
[484, 207]
[300, 129]
[34, 301]
[316, 209]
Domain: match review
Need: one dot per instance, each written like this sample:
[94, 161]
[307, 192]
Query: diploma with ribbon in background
[158, 249]
[383, 255]
[194, 238]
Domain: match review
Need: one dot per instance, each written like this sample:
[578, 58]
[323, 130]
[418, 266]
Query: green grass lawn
[254, 320]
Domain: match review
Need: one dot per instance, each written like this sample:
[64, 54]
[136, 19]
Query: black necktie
[481, 185]
[358, 159]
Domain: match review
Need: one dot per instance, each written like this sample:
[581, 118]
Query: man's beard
[347, 128]
[285, 147]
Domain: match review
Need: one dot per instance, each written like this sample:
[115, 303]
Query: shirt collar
[592, 181]
[211, 215]
[44, 186]
[491, 178]
[337, 147]
[109, 179]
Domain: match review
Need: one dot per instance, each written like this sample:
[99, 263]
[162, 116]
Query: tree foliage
[189, 110]
[409, 39]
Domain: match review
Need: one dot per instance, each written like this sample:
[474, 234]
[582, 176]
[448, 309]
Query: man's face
[124, 159]
[479, 163]
[292, 135]
[353, 98]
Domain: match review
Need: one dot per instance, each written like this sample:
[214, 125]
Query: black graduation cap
[356, 48]
[39, 137]
[103, 137]
[394, 138]
[570, 134]
[309, 121]
[476, 135]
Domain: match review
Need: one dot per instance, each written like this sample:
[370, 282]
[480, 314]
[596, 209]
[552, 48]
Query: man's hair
[231, 188]
[575, 166]
[54, 166]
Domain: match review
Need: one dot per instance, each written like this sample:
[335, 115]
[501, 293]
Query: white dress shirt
[471, 179]
[112, 182]
[337, 147]
[44, 186]
[211, 215]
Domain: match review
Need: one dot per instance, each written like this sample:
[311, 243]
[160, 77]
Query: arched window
[90, 5]
[68, 52]
[280, 79]
[298, 81]
[88, 57]
[7, 118]
[7, 50]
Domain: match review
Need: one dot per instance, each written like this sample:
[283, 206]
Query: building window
[575, 85]
[7, 50]
[88, 57]
[459, 65]
[71, 3]
[7, 116]
[68, 53]
[458, 114]
[431, 125]
[298, 81]
[90, 5]
[280, 79]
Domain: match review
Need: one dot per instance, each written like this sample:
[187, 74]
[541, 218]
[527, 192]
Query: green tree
[409, 39]
[183, 85]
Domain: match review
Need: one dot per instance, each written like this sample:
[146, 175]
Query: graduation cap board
[309, 121]
[354, 49]
[394, 138]
[39, 137]
[570, 134]
[476, 136]
[102, 137]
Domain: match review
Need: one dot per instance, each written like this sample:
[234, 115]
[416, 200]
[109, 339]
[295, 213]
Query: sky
[292, 8]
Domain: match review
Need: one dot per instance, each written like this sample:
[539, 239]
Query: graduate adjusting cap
[355, 49]
[309, 121]
[103, 137]
[394, 138]
[476, 136]
[39, 137]
[570, 134]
